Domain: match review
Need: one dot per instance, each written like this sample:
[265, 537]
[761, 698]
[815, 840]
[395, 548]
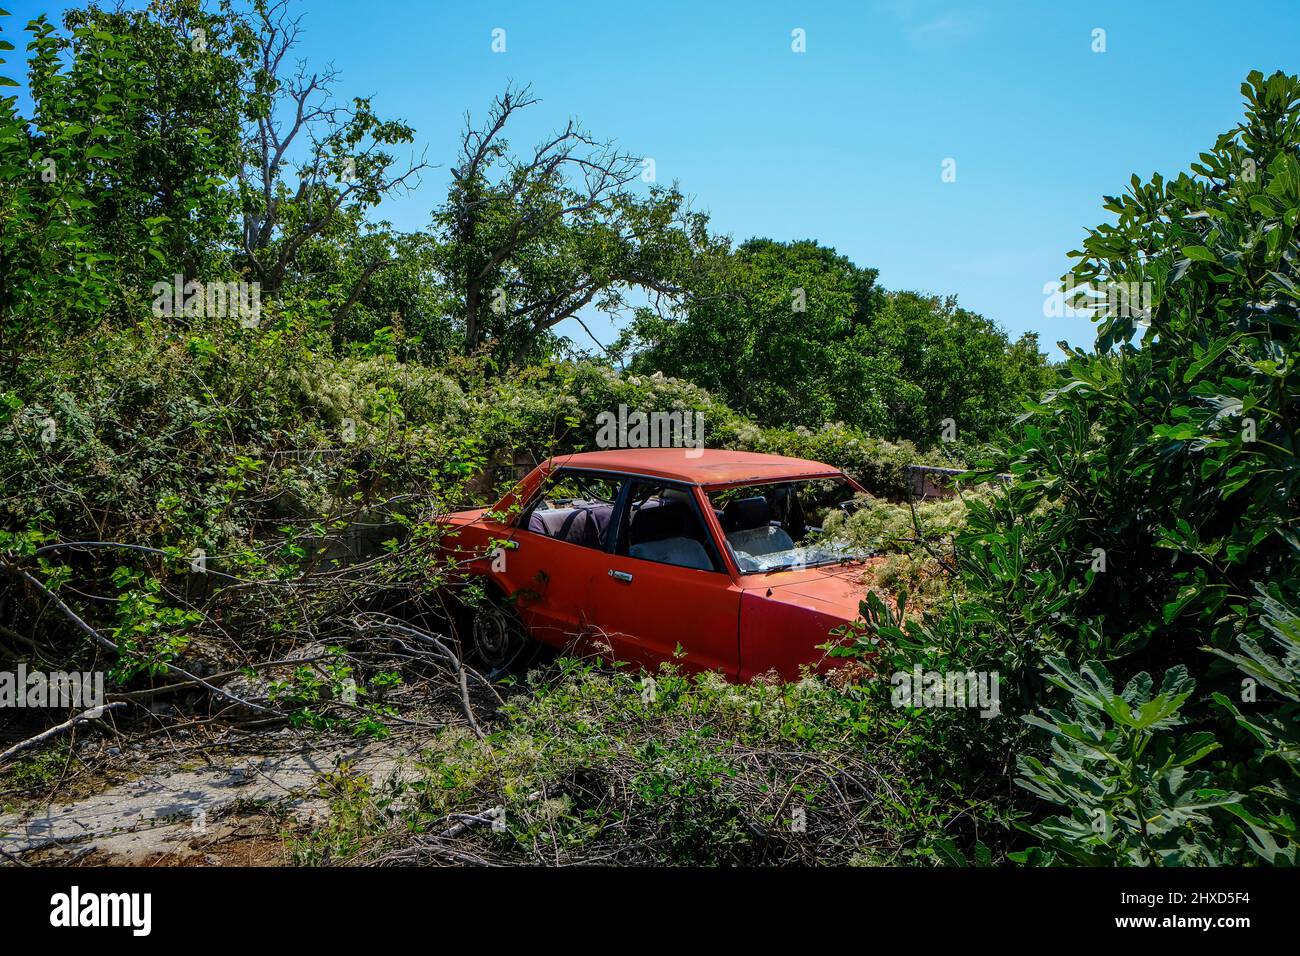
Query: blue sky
[844, 143]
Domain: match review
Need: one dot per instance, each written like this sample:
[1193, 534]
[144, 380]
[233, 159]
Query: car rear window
[574, 507]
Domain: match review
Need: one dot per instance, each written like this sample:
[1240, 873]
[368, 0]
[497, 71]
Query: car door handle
[621, 575]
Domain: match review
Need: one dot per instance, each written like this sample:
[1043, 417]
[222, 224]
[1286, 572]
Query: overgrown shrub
[592, 766]
[1150, 520]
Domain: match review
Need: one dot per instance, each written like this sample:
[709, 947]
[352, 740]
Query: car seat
[748, 527]
[659, 534]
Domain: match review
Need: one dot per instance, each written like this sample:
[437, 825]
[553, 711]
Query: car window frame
[622, 510]
[539, 495]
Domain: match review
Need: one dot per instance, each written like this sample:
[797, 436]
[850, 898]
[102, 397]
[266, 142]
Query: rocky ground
[231, 807]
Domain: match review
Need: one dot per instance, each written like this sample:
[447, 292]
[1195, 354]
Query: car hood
[835, 590]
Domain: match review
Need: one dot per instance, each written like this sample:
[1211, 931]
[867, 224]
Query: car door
[555, 550]
[657, 592]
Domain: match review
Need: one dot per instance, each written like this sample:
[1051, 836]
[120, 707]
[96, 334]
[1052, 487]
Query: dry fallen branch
[93, 714]
[465, 822]
[104, 642]
[373, 620]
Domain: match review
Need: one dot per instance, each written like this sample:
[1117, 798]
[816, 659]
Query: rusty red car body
[585, 587]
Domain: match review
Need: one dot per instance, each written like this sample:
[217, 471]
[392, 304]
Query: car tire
[496, 641]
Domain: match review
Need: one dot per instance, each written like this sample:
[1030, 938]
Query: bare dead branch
[92, 714]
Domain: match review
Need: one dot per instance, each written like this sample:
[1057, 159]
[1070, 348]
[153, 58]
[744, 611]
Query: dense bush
[261, 450]
[595, 767]
[127, 457]
[552, 408]
[1150, 522]
[915, 540]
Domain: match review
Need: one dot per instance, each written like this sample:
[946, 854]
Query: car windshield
[777, 526]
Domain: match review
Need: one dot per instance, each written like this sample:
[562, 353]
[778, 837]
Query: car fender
[781, 629]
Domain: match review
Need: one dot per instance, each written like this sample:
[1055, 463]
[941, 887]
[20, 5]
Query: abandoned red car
[713, 559]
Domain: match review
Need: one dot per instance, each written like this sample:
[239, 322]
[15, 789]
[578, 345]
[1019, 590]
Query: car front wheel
[499, 643]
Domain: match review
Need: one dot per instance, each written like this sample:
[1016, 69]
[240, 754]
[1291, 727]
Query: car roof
[708, 466]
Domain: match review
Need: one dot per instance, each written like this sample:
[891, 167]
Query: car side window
[574, 507]
[662, 523]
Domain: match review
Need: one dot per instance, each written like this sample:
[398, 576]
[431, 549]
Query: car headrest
[666, 520]
[741, 514]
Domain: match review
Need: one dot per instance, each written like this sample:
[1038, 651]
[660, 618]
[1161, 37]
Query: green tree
[1182, 445]
[178, 139]
[796, 334]
[771, 328]
[1152, 517]
[312, 165]
[935, 361]
[117, 175]
[529, 241]
[148, 104]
